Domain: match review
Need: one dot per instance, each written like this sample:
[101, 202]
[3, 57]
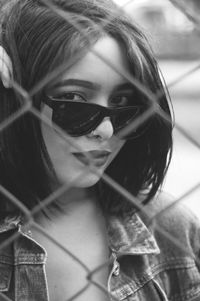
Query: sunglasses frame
[104, 112]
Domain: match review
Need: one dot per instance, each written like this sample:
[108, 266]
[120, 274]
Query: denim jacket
[155, 263]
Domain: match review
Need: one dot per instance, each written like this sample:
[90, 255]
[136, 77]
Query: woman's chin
[85, 180]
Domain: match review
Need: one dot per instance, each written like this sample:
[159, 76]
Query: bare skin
[83, 233]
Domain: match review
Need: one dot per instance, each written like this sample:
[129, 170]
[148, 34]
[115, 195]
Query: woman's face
[89, 80]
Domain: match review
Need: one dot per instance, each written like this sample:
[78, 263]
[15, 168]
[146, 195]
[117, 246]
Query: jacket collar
[9, 223]
[128, 235]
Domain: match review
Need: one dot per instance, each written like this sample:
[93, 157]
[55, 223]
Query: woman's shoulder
[172, 221]
[165, 207]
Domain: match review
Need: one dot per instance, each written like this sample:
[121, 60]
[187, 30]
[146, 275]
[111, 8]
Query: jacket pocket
[180, 279]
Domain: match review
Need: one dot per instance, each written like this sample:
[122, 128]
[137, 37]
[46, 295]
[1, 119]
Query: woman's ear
[6, 70]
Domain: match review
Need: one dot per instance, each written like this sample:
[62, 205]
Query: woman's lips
[98, 158]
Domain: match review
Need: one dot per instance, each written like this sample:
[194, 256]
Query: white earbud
[6, 70]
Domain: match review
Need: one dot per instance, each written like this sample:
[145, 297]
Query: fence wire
[26, 107]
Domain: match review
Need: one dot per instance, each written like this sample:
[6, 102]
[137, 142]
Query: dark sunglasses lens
[76, 118]
[125, 118]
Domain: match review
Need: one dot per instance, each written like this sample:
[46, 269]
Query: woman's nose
[104, 130]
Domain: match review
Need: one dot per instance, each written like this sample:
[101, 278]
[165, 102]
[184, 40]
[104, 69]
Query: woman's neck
[72, 203]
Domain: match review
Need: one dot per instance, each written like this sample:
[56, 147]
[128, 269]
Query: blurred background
[173, 28]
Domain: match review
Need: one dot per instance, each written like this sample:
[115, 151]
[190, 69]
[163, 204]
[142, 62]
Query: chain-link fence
[183, 131]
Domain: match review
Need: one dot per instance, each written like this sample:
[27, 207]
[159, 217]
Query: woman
[96, 120]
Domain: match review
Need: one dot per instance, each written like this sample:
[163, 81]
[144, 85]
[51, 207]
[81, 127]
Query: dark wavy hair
[38, 40]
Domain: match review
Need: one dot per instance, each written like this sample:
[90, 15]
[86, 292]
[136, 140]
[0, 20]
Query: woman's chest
[78, 269]
[77, 261]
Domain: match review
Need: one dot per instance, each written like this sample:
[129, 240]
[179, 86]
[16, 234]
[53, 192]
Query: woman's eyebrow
[89, 84]
[77, 82]
[124, 86]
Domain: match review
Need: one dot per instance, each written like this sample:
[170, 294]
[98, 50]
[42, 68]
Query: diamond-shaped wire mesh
[181, 130]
